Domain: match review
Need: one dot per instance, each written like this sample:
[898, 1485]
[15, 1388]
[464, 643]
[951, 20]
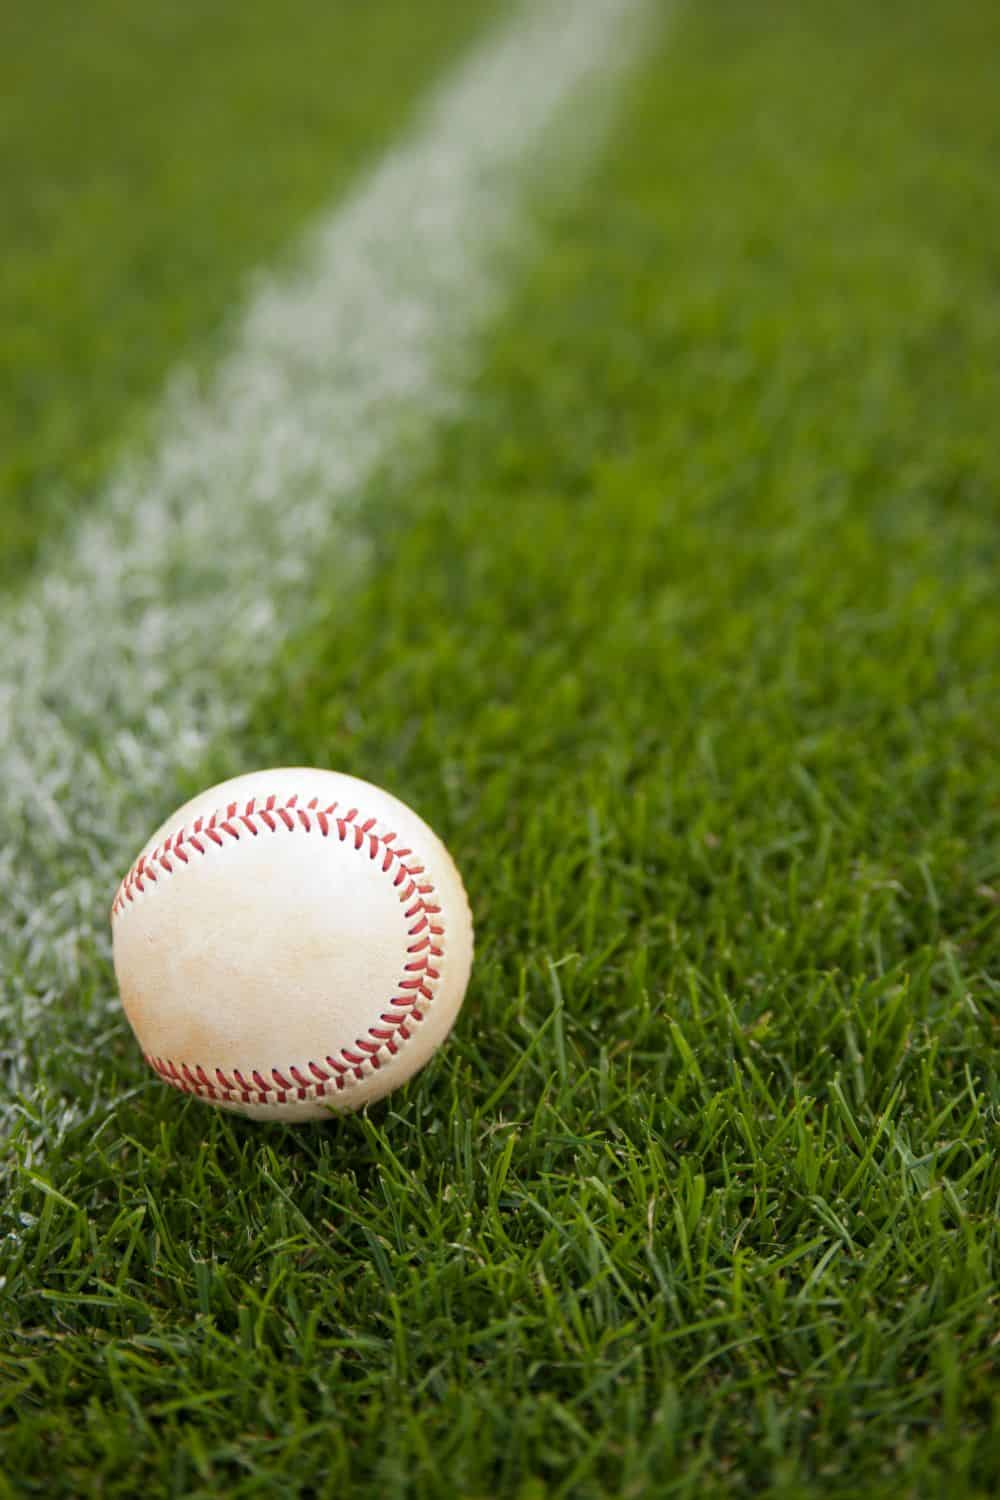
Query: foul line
[143, 643]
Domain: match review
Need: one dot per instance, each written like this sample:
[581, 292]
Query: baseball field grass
[680, 625]
[148, 160]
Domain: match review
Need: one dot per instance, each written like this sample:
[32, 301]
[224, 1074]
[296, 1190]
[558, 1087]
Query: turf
[149, 160]
[686, 640]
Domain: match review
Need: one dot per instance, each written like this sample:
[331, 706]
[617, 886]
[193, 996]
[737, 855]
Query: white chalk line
[146, 642]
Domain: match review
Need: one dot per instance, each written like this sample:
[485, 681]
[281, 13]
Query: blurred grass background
[151, 157]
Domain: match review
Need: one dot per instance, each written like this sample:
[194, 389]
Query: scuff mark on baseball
[291, 942]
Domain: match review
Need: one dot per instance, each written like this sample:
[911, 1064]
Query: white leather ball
[290, 943]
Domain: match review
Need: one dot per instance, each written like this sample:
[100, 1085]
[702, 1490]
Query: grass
[686, 640]
[149, 160]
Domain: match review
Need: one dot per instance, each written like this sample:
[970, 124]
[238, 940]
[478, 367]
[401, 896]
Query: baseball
[291, 943]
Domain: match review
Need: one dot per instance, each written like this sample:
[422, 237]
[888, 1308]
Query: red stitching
[314, 1079]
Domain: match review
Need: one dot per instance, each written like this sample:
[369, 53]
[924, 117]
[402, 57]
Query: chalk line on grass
[145, 641]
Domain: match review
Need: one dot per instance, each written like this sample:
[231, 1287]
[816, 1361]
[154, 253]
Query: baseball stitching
[414, 990]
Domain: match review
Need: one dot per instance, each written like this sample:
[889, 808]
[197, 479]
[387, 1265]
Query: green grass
[687, 641]
[150, 157]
